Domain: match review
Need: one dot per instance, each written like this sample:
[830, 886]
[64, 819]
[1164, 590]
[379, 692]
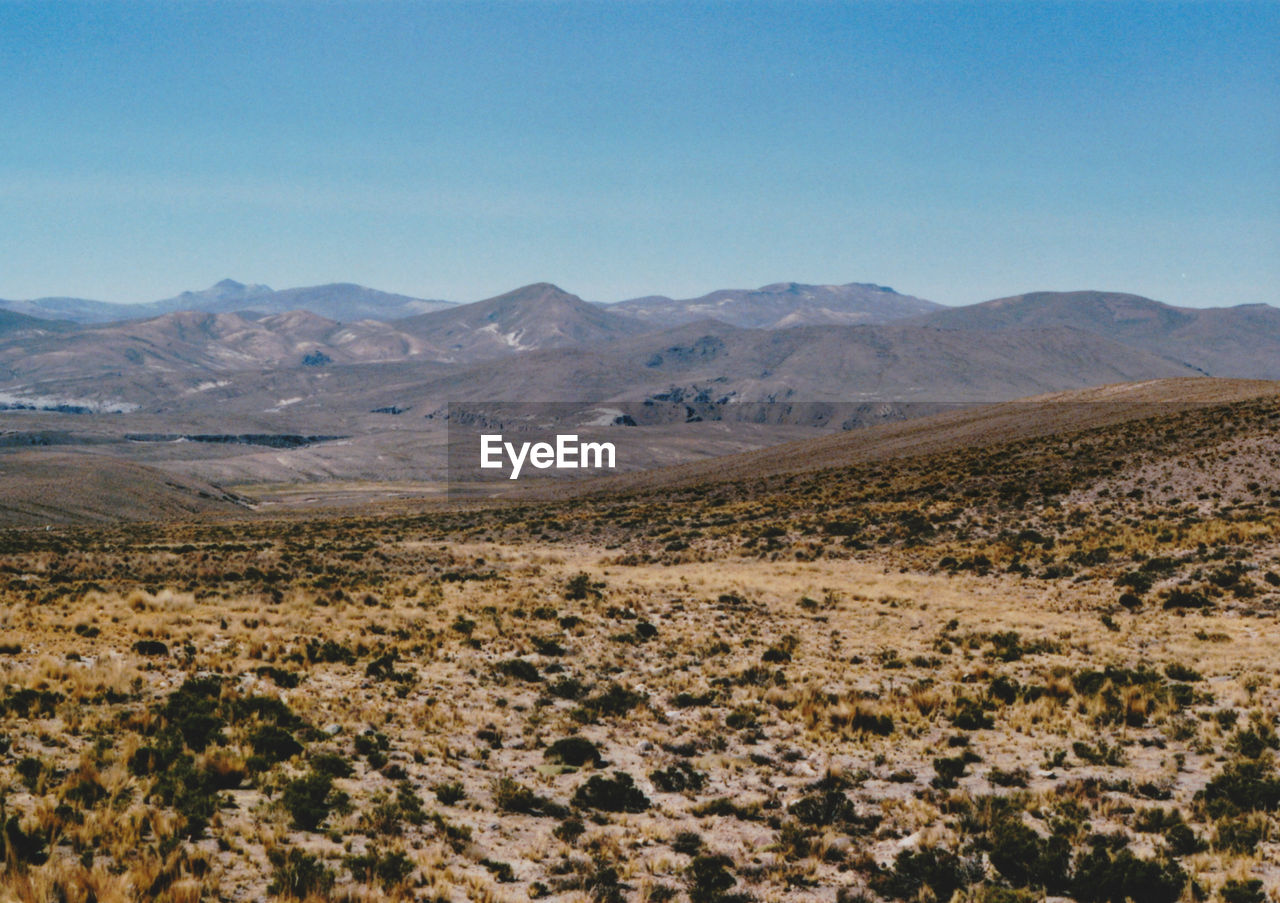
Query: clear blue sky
[954, 151]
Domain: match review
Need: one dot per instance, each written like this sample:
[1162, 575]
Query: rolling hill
[200, 343]
[1015, 421]
[1242, 341]
[42, 487]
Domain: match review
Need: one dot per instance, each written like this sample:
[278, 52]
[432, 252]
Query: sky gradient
[957, 152]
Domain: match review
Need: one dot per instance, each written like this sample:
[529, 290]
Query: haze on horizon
[955, 151]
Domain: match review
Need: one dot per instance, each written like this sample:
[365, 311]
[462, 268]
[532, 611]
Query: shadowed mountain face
[781, 305]
[15, 325]
[1239, 341]
[531, 318]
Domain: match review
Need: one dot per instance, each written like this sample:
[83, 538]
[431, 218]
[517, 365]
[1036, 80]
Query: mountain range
[781, 305]
[1241, 341]
[339, 301]
[351, 396]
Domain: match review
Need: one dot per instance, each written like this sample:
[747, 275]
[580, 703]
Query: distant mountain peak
[538, 293]
[229, 284]
[784, 304]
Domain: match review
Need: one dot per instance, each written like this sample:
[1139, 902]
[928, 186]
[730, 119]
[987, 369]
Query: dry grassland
[872, 684]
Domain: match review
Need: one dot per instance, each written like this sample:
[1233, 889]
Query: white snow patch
[206, 386]
[283, 403]
[511, 339]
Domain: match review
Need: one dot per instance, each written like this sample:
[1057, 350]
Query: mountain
[222, 297]
[196, 343]
[77, 310]
[531, 318]
[16, 325]
[1242, 341]
[781, 305]
[347, 303]
[711, 361]
[341, 301]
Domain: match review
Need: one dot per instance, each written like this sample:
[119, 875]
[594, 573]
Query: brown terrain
[1000, 654]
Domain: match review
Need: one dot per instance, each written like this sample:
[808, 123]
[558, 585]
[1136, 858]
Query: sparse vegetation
[884, 681]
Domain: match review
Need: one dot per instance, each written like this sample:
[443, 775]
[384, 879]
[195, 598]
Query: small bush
[574, 751]
[331, 764]
[677, 778]
[1024, 859]
[616, 794]
[1101, 877]
[512, 796]
[1247, 891]
[1242, 786]
[384, 869]
[309, 800]
[297, 874]
[519, 669]
[449, 793]
[1186, 598]
[940, 871]
[274, 744]
[687, 842]
[709, 878]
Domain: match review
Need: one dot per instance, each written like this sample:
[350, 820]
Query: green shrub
[1241, 786]
[192, 793]
[709, 878]
[25, 848]
[512, 796]
[1024, 859]
[580, 586]
[384, 869]
[1101, 877]
[1240, 834]
[449, 793]
[677, 778]
[1186, 598]
[615, 700]
[1176, 671]
[1247, 891]
[273, 743]
[297, 874]
[939, 871]
[574, 751]
[687, 842]
[309, 800]
[519, 669]
[332, 764]
[616, 794]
